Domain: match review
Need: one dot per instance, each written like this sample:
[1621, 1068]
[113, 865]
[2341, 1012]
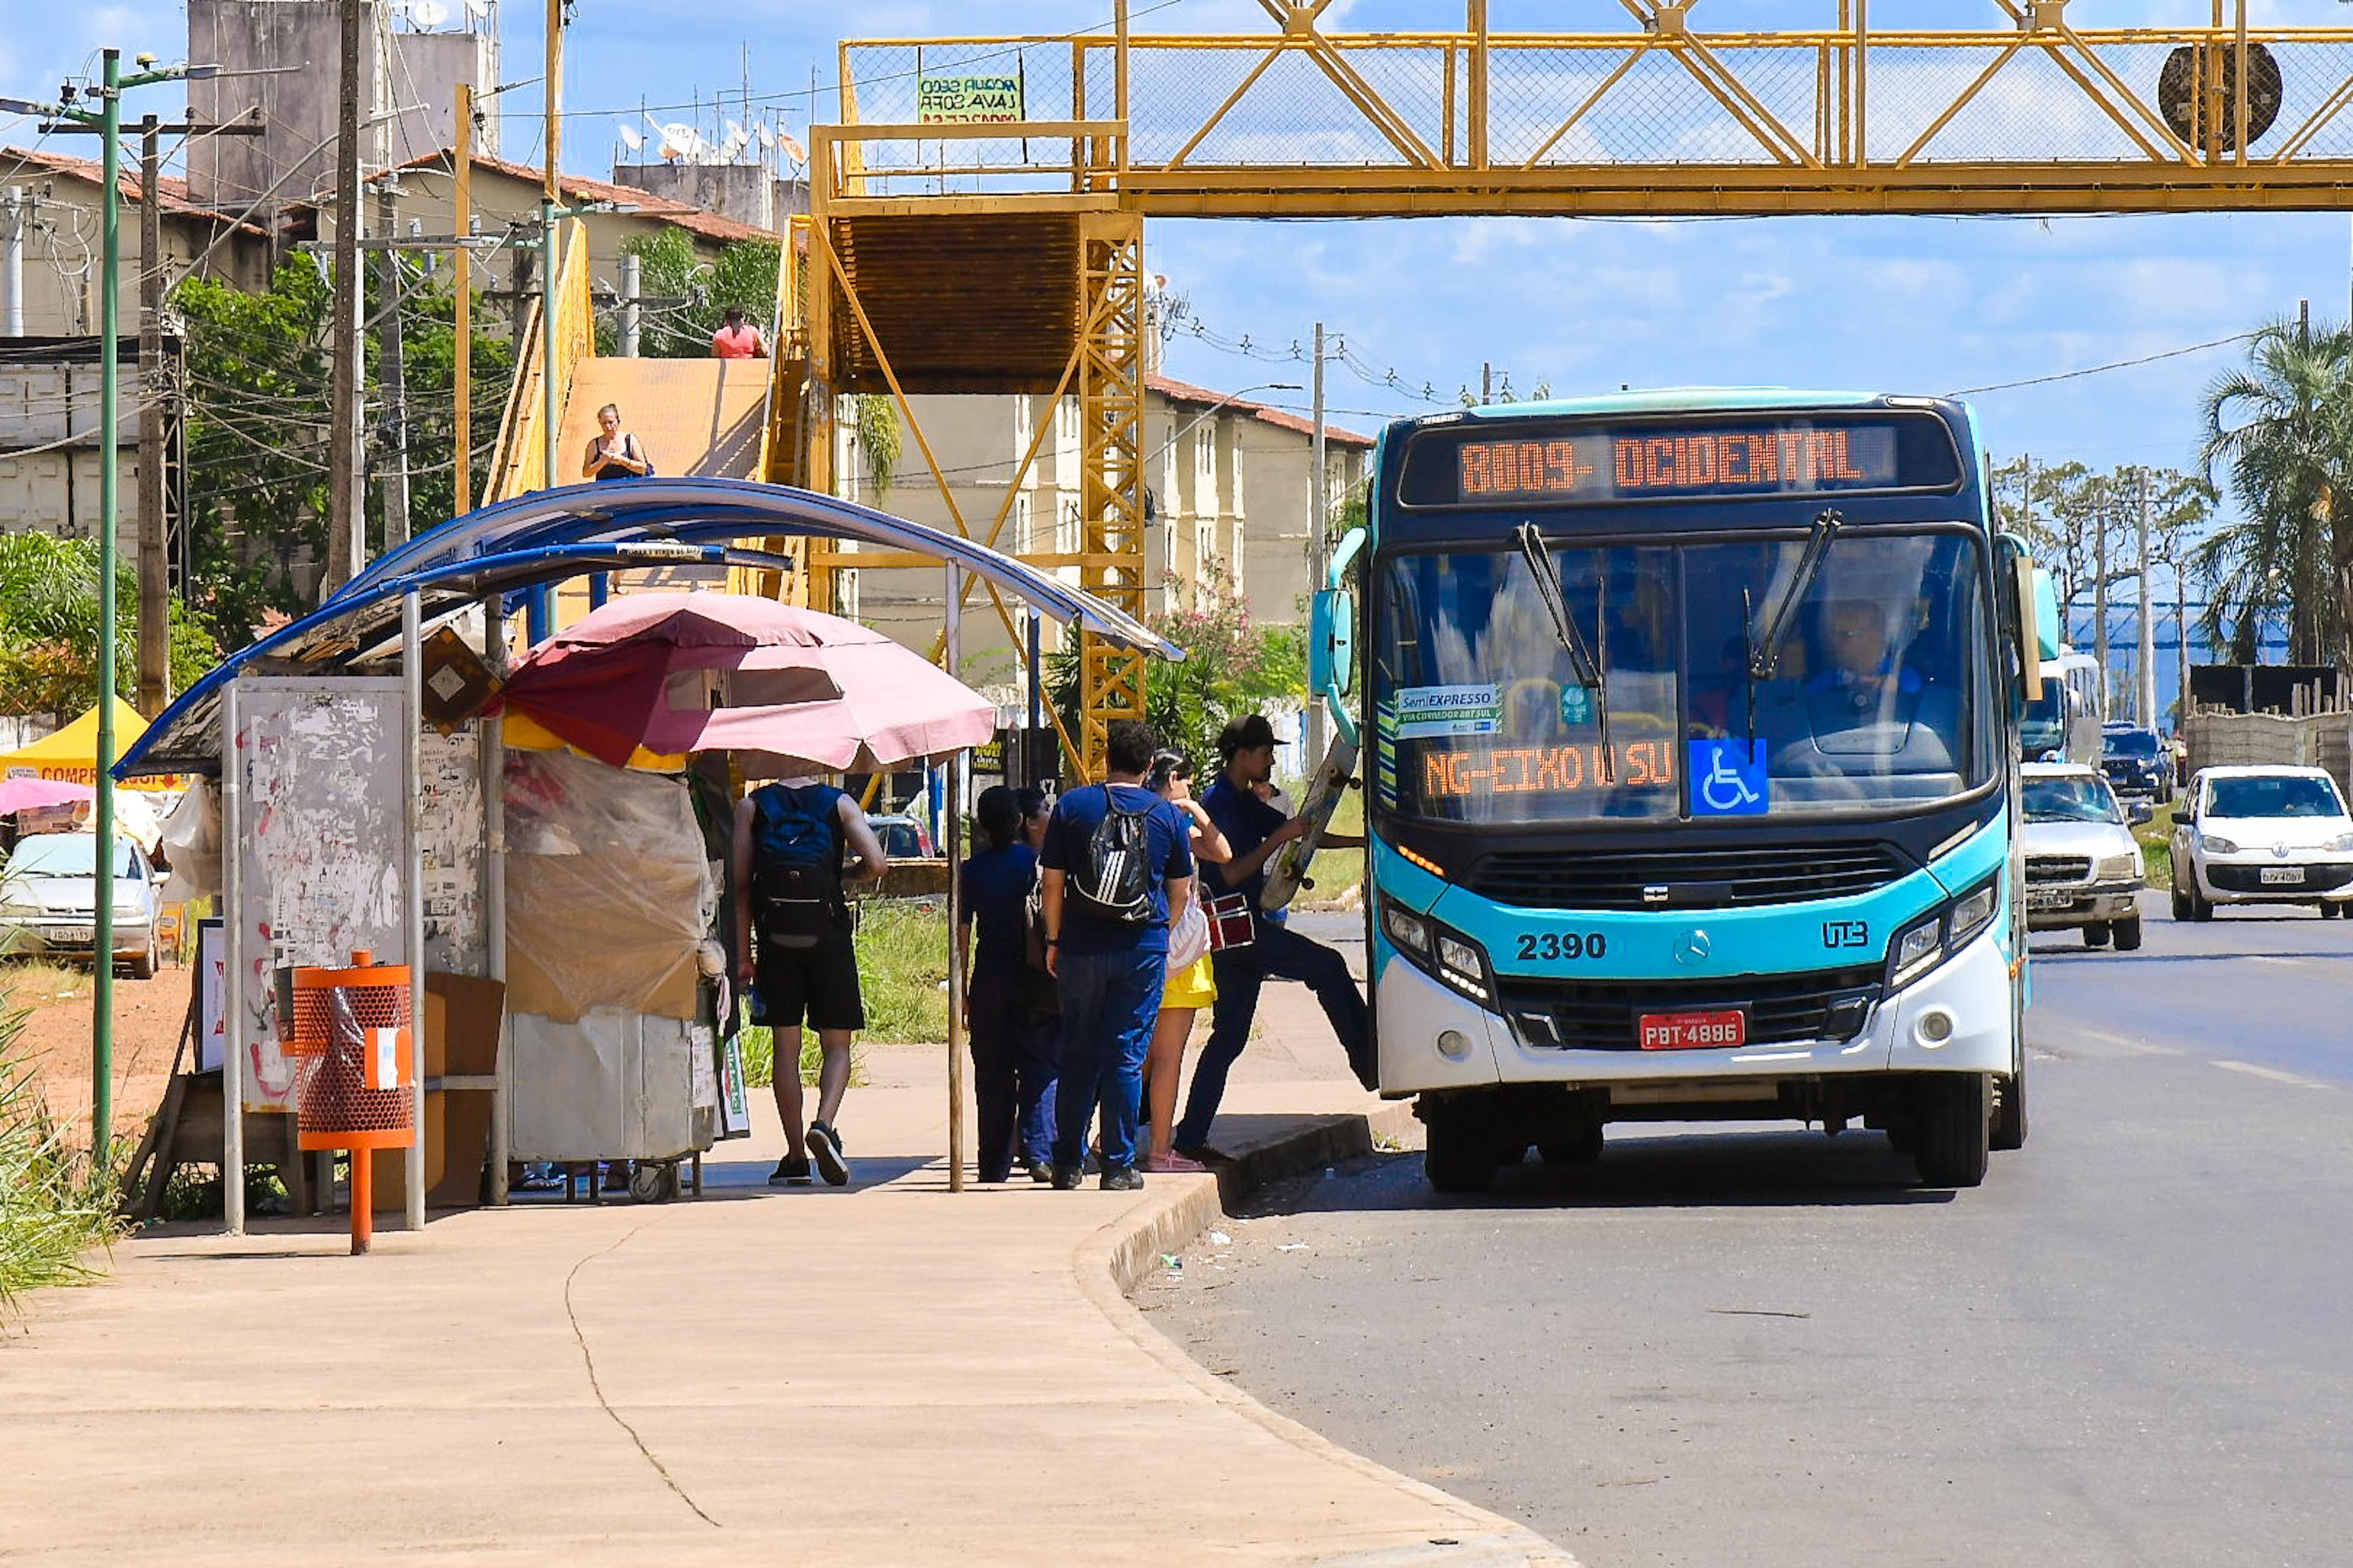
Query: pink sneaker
[1169, 1166]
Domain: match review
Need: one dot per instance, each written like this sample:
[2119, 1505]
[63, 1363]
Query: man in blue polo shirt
[1108, 908]
[1255, 830]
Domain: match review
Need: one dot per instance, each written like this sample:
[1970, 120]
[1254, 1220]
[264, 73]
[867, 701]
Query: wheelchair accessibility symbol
[1728, 779]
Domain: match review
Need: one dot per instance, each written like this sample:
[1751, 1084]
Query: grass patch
[35, 981]
[2156, 839]
[57, 1207]
[1339, 874]
[902, 972]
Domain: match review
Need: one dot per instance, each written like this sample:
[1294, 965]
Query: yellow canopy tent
[71, 753]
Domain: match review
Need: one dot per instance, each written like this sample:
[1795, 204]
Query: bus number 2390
[1562, 944]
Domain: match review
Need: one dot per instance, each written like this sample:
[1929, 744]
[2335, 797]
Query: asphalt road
[1760, 1346]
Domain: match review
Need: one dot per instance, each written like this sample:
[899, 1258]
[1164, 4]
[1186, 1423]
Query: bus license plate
[1693, 1031]
[2279, 876]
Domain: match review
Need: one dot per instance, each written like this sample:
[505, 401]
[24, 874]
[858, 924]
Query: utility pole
[1486, 383]
[2145, 676]
[107, 121]
[18, 207]
[2100, 596]
[463, 285]
[539, 618]
[155, 608]
[395, 372]
[2181, 634]
[346, 475]
[1319, 510]
[632, 280]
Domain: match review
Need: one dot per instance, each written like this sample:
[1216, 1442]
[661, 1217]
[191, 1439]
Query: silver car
[2084, 870]
[49, 899]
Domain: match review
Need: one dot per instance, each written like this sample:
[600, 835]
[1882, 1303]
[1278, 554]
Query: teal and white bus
[1690, 724]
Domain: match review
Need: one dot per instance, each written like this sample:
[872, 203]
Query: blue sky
[1924, 305]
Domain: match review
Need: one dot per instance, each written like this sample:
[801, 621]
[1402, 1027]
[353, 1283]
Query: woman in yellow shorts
[1189, 989]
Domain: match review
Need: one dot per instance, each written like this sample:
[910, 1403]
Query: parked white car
[2261, 836]
[2084, 872]
[49, 899]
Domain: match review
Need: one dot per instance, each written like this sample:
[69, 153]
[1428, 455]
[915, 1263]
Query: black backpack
[796, 865]
[1113, 883]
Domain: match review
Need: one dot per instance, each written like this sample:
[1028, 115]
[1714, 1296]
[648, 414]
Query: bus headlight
[1408, 930]
[1972, 912]
[1918, 947]
[1461, 963]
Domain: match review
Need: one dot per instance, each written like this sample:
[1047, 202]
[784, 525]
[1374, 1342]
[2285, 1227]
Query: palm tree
[2282, 423]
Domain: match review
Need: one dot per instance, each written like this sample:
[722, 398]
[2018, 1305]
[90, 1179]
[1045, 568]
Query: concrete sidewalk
[890, 1374]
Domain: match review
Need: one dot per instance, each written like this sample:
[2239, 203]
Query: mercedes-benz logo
[1690, 947]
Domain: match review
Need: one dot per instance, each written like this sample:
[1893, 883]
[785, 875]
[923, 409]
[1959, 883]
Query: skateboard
[1288, 871]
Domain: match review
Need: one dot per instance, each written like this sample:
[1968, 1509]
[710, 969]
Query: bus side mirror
[1332, 643]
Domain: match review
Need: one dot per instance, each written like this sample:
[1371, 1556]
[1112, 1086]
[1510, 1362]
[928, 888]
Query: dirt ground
[56, 1038]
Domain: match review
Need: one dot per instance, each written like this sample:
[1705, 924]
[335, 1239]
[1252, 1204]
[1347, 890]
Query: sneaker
[1041, 1173]
[1067, 1178]
[791, 1171]
[825, 1150]
[1169, 1166]
[1122, 1179]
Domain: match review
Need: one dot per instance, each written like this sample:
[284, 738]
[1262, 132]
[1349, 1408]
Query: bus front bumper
[1956, 1018]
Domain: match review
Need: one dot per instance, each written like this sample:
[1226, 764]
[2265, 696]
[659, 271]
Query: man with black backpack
[1118, 868]
[787, 875]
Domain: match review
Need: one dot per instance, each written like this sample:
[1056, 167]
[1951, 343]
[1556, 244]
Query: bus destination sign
[1551, 770]
[1585, 464]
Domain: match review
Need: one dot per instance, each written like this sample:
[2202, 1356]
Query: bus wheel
[2128, 934]
[1459, 1155]
[1952, 1133]
[1579, 1143]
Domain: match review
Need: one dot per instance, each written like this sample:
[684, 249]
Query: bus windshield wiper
[1763, 663]
[1541, 566]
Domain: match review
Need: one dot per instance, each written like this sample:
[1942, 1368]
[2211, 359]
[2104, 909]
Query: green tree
[2068, 506]
[669, 267]
[49, 625]
[2283, 425]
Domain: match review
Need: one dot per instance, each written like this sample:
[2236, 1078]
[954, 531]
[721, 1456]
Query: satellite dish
[426, 15]
[680, 141]
[768, 136]
[631, 137]
[479, 10]
[792, 147]
[2181, 88]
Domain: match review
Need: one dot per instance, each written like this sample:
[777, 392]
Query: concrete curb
[1113, 1259]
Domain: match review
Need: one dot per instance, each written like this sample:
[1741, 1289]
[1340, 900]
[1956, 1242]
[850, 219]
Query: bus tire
[1952, 1134]
[2127, 934]
[1579, 1143]
[2009, 1111]
[1459, 1155]
[2096, 934]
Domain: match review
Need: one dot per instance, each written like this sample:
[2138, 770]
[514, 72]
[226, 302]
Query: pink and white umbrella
[22, 793]
[788, 691]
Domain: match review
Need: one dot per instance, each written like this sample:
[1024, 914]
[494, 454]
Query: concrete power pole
[346, 471]
[1319, 512]
[2181, 634]
[2145, 671]
[632, 275]
[16, 209]
[395, 374]
[154, 589]
[2100, 598]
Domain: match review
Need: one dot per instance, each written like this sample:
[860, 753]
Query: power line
[2103, 369]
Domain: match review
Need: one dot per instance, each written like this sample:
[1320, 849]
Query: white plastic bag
[1189, 939]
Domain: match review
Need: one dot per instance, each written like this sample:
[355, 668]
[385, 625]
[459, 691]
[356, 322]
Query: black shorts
[820, 982]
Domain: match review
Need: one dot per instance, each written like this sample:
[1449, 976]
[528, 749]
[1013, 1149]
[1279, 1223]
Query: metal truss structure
[1008, 258]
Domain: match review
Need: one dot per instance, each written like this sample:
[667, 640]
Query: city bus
[1689, 722]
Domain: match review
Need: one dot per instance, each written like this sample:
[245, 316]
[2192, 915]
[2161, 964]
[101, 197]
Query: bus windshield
[1879, 698]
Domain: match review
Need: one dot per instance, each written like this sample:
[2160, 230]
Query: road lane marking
[2274, 1074]
[2102, 1036]
[2271, 958]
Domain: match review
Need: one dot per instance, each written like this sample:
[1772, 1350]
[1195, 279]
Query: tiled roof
[1185, 392]
[16, 161]
[685, 215]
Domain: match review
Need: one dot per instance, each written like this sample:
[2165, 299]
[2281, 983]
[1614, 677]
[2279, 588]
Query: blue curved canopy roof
[551, 535]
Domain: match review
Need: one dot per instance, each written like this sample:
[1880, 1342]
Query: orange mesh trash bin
[353, 1046]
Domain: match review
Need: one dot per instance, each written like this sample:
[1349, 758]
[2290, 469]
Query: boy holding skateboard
[1255, 830]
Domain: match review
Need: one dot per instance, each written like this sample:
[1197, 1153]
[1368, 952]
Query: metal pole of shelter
[539, 617]
[1319, 491]
[232, 788]
[958, 774]
[412, 882]
[495, 883]
[101, 1105]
